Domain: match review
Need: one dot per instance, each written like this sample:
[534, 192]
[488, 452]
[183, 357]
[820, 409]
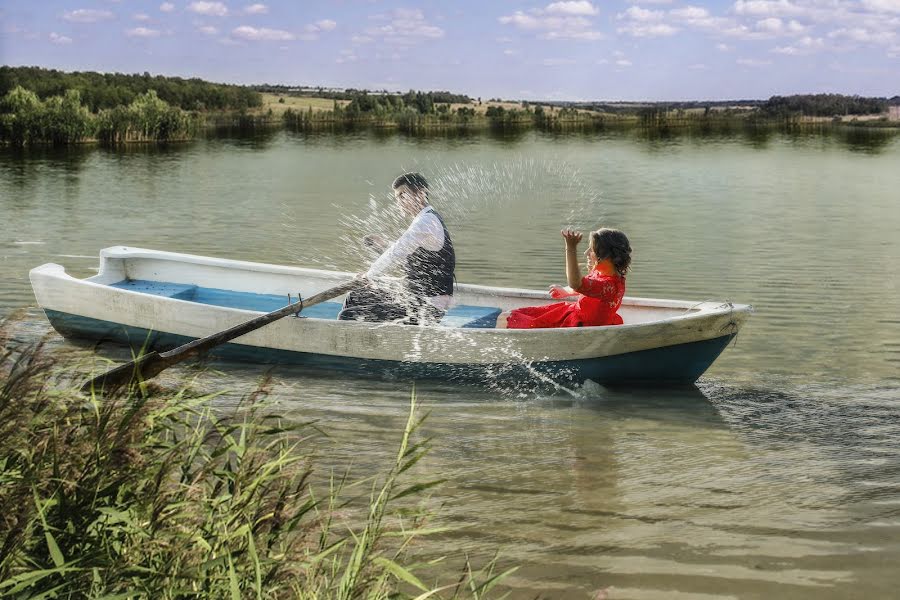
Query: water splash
[469, 195]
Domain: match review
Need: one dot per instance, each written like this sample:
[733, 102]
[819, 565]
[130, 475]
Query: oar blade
[128, 374]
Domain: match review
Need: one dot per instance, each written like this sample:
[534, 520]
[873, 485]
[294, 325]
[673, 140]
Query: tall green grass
[154, 495]
[27, 120]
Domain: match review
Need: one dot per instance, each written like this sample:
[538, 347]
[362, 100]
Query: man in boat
[425, 255]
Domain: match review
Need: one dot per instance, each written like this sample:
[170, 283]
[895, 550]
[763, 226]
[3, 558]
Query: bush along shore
[27, 119]
[150, 494]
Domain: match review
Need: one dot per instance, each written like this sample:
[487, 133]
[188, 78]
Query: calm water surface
[778, 476]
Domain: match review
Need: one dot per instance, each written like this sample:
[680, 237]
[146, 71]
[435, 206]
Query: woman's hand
[572, 237]
[557, 292]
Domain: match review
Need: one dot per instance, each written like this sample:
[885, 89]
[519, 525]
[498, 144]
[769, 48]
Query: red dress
[599, 297]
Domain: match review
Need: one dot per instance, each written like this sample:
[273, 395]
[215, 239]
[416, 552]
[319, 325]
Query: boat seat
[158, 288]
[471, 317]
[461, 315]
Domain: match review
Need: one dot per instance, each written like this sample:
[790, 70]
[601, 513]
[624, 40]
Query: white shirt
[425, 231]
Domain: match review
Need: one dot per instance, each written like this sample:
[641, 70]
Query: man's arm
[425, 231]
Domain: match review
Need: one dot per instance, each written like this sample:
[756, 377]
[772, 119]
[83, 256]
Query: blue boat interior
[461, 315]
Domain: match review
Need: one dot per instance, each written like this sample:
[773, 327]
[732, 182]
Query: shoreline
[247, 124]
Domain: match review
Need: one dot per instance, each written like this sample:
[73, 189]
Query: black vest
[428, 272]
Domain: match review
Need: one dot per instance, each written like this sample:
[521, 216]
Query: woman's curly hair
[614, 245]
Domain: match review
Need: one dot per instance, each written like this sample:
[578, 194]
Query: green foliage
[147, 118]
[62, 120]
[20, 116]
[154, 495]
[823, 105]
[59, 120]
[109, 90]
[413, 98]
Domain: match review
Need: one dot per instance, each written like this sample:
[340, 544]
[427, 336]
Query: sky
[550, 50]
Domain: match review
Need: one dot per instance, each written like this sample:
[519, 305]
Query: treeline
[100, 91]
[418, 113]
[26, 119]
[424, 103]
[823, 105]
[350, 94]
[812, 105]
[637, 108]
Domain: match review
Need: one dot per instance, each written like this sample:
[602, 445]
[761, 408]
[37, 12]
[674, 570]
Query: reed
[27, 120]
[153, 495]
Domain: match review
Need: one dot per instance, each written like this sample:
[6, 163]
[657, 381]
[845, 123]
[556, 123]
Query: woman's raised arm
[573, 270]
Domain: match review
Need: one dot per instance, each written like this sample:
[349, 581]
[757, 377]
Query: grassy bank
[153, 495]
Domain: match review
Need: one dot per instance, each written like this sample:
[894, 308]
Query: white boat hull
[661, 340]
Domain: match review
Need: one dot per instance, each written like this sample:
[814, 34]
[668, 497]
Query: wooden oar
[152, 364]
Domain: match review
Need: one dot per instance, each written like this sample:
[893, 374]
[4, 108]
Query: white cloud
[640, 22]
[555, 25]
[87, 15]
[405, 27]
[572, 7]
[695, 16]
[587, 35]
[698, 67]
[509, 52]
[256, 9]
[142, 32]
[141, 17]
[213, 9]
[648, 29]
[775, 26]
[805, 45]
[326, 24]
[623, 62]
[882, 5]
[772, 24]
[642, 15]
[724, 48]
[207, 30]
[346, 56]
[864, 36]
[60, 40]
[774, 8]
[166, 7]
[262, 34]
[312, 31]
[690, 13]
[753, 62]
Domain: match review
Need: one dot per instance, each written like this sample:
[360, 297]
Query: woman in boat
[599, 293]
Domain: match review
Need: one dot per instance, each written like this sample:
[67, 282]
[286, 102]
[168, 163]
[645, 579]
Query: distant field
[298, 103]
[303, 103]
[506, 106]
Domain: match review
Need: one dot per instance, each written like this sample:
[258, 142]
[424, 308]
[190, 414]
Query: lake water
[778, 476]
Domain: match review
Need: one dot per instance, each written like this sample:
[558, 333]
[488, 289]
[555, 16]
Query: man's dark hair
[414, 181]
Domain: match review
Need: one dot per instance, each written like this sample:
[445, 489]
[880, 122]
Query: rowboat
[156, 299]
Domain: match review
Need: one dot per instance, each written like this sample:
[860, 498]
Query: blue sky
[567, 50]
